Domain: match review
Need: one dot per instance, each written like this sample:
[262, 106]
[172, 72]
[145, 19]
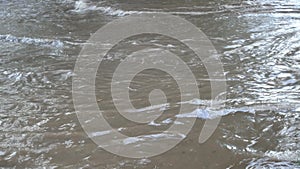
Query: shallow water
[257, 41]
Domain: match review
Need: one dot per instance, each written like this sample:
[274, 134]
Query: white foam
[167, 121]
[197, 102]
[131, 140]
[266, 163]
[161, 107]
[208, 112]
[211, 114]
[152, 123]
[118, 12]
[152, 137]
[82, 6]
[100, 133]
[115, 12]
[287, 155]
[32, 41]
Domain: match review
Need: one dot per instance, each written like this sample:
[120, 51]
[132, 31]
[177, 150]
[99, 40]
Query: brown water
[258, 43]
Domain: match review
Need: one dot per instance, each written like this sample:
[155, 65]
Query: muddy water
[257, 41]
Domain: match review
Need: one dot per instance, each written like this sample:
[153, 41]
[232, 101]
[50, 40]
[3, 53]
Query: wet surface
[257, 41]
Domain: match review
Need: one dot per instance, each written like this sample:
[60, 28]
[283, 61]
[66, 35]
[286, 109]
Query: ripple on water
[259, 42]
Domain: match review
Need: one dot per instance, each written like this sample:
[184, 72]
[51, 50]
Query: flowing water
[258, 42]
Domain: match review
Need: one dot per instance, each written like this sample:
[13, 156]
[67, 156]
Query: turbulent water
[257, 41]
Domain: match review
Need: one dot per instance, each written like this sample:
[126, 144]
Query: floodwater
[258, 42]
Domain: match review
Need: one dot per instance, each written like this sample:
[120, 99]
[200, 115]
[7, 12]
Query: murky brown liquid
[258, 43]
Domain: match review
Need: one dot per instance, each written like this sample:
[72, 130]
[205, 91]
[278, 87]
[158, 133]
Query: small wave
[82, 6]
[118, 12]
[207, 113]
[149, 108]
[211, 114]
[269, 163]
[287, 155]
[100, 133]
[32, 41]
[152, 137]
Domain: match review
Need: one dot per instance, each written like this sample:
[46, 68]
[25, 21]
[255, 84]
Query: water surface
[257, 41]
